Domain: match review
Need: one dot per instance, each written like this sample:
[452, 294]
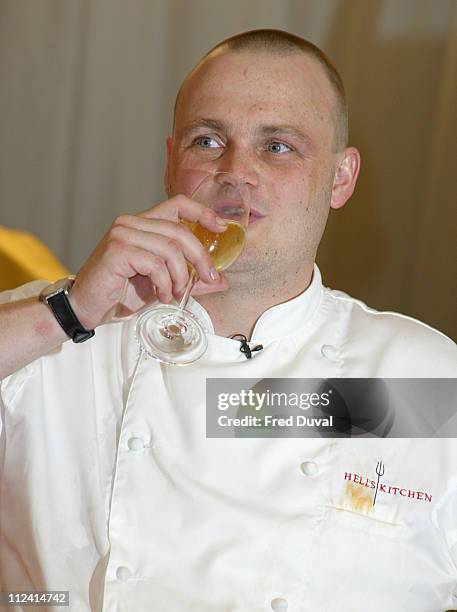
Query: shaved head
[280, 43]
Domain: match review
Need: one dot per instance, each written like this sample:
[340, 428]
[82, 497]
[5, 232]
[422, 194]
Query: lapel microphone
[245, 348]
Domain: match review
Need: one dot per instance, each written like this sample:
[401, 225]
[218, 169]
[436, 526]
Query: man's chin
[241, 267]
[246, 274]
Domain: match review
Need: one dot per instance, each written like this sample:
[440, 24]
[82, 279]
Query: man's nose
[241, 163]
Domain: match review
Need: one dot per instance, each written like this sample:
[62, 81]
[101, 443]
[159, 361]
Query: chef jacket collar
[278, 321]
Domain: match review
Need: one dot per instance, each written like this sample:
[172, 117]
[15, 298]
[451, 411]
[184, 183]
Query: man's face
[270, 121]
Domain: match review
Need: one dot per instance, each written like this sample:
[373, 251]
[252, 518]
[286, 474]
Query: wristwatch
[56, 297]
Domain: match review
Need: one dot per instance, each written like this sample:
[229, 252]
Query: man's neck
[236, 310]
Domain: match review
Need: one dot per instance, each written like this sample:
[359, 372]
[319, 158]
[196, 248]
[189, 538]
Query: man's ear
[166, 176]
[345, 177]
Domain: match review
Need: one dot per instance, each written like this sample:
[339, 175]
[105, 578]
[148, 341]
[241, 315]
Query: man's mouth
[233, 209]
[255, 216]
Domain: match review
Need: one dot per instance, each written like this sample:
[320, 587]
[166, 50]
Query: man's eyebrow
[212, 124]
[284, 130]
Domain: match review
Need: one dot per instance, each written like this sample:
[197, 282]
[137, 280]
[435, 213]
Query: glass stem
[188, 289]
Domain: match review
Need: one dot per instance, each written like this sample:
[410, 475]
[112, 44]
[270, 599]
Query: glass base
[170, 335]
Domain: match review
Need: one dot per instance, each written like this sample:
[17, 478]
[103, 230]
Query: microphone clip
[245, 348]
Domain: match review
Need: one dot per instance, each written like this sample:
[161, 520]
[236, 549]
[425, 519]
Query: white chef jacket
[111, 490]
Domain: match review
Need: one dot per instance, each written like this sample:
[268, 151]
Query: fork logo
[379, 472]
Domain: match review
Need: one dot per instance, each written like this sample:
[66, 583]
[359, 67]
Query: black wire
[245, 348]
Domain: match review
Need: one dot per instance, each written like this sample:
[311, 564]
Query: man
[112, 490]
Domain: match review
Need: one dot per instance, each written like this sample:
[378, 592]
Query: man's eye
[278, 147]
[206, 142]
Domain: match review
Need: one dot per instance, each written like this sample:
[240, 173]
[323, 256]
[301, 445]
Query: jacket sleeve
[445, 518]
[10, 385]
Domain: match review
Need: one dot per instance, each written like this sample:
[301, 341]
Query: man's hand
[144, 257]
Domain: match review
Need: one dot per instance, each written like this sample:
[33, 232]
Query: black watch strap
[60, 305]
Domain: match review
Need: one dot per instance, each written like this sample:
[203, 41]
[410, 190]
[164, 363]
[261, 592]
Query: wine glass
[169, 332]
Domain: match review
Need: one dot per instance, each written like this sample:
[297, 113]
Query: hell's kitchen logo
[381, 487]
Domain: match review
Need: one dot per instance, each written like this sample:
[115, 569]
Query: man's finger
[200, 287]
[181, 207]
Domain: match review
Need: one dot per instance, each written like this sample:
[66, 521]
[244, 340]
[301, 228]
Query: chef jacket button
[135, 444]
[328, 351]
[278, 604]
[309, 468]
[123, 573]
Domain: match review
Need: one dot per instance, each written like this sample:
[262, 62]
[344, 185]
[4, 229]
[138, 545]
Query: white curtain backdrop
[87, 88]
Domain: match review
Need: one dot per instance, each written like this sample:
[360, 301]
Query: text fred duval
[270, 421]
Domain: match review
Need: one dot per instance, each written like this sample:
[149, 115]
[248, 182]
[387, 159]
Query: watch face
[64, 284]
